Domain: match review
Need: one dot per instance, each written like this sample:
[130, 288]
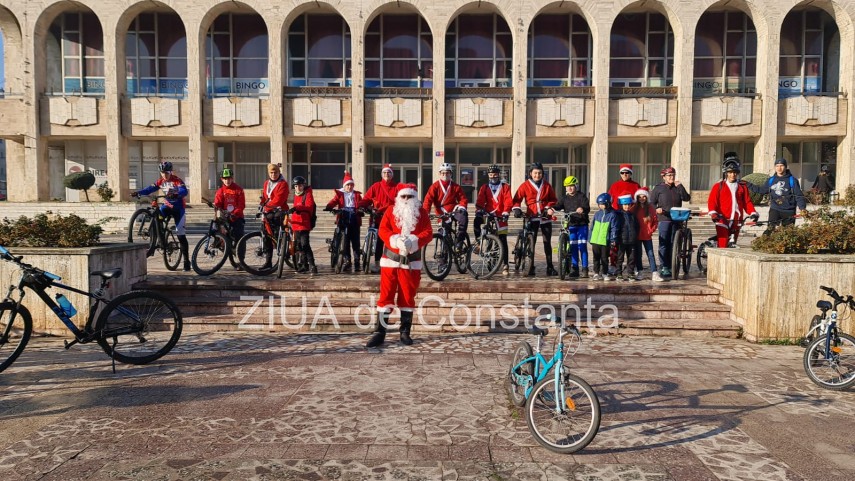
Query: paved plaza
[274, 406]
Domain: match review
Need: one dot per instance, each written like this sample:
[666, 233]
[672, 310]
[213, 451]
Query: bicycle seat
[538, 331]
[108, 274]
[823, 305]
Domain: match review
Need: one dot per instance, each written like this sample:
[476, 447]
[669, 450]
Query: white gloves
[401, 245]
[412, 243]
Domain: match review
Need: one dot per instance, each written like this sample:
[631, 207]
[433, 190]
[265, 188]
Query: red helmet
[668, 170]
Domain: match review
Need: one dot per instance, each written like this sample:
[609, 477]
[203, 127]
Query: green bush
[848, 196]
[80, 181]
[48, 230]
[758, 179]
[105, 192]
[823, 232]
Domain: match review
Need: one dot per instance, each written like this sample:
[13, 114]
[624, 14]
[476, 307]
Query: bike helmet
[730, 166]
[570, 180]
[667, 171]
[494, 169]
[227, 173]
[730, 156]
[165, 167]
[299, 180]
[536, 166]
[604, 199]
[824, 168]
[625, 200]
[446, 167]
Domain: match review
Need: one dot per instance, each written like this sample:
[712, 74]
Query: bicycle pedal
[69, 344]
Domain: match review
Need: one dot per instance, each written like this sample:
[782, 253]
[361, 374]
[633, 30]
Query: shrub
[80, 181]
[813, 196]
[823, 232]
[849, 196]
[105, 192]
[757, 178]
[48, 230]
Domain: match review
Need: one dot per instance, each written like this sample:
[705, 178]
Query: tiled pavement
[275, 406]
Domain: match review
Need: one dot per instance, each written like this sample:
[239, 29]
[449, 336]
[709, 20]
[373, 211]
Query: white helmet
[446, 167]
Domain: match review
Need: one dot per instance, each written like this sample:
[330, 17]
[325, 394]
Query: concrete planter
[773, 296]
[74, 266]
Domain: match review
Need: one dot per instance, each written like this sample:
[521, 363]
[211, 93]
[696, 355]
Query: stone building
[115, 86]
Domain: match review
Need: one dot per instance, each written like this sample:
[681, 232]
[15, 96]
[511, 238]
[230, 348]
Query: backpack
[314, 219]
[772, 181]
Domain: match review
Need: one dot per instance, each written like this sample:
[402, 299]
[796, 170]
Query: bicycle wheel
[436, 258]
[284, 255]
[837, 372]
[512, 382]
[138, 226]
[519, 249]
[676, 254]
[368, 250]
[171, 248]
[334, 250]
[16, 326]
[143, 325]
[571, 423]
[528, 253]
[252, 254]
[702, 255]
[462, 257]
[485, 257]
[341, 258]
[210, 254]
[686, 261]
[563, 255]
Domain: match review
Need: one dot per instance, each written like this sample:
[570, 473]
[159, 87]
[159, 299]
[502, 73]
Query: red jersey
[231, 199]
[444, 198]
[537, 199]
[382, 195]
[622, 187]
[304, 207]
[275, 194]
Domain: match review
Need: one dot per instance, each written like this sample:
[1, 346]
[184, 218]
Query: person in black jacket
[824, 184]
[785, 196]
[575, 202]
[669, 193]
[626, 238]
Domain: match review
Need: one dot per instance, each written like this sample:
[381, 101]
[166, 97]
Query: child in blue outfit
[604, 233]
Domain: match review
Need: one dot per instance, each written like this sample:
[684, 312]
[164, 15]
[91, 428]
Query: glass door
[410, 175]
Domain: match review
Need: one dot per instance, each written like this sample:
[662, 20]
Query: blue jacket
[606, 227]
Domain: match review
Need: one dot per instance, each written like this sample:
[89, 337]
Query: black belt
[415, 256]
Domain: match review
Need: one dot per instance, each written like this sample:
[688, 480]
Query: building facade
[114, 87]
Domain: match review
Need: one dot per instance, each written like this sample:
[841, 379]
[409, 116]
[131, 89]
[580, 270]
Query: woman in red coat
[728, 203]
[301, 222]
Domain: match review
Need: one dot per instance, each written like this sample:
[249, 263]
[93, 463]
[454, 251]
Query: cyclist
[647, 223]
[274, 193]
[301, 222]
[230, 198]
[627, 236]
[603, 235]
[348, 201]
[669, 193]
[729, 202]
[624, 186]
[540, 198]
[382, 196]
[785, 196]
[446, 196]
[175, 191]
[495, 197]
[575, 202]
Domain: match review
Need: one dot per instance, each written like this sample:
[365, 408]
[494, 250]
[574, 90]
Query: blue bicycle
[562, 411]
[829, 359]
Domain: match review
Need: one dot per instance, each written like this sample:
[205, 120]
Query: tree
[80, 181]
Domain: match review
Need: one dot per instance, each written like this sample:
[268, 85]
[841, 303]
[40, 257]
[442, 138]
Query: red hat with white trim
[387, 167]
[347, 179]
[641, 191]
[625, 168]
[407, 189]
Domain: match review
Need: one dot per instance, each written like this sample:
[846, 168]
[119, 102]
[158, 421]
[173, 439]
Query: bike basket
[680, 214]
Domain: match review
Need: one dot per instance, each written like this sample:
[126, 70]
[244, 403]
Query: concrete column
[438, 100]
[600, 145]
[357, 102]
[768, 51]
[276, 78]
[197, 143]
[117, 145]
[845, 169]
[520, 83]
[684, 67]
[31, 171]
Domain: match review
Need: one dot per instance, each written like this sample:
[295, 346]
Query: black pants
[301, 244]
[779, 217]
[237, 229]
[353, 239]
[601, 258]
[627, 251]
[546, 229]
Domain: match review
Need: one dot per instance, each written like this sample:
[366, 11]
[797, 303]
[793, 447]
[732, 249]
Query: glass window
[647, 160]
[557, 42]
[725, 47]
[479, 49]
[399, 52]
[325, 47]
[157, 63]
[79, 42]
[804, 35]
[236, 55]
[322, 164]
[641, 51]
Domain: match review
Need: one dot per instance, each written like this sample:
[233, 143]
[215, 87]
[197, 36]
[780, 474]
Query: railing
[583, 92]
[669, 92]
[402, 92]
[317, 91]
[251, 95]
[489, 92]
[75, 93]
[729, 93]
[166, 95]
[4, 94]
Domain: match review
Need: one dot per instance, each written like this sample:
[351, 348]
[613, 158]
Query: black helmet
[494, 169]
[299, 180]
[536, 166]
[165, 166]
[730, 156]
[730, 165]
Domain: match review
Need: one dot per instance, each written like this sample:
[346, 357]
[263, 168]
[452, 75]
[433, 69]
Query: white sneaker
[608, 277]
[596, 277]
[639, 276]
[657, 277]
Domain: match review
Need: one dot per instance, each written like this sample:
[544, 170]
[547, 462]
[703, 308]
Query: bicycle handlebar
[838, 299]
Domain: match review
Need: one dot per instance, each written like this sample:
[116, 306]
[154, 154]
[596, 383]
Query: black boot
[379, 331]
[185, 251]
[357, 266]
[406, 324]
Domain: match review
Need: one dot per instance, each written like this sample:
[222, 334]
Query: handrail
[317, 91]
[489, 92]
[583, 92]
[625, 92]
[402, 92]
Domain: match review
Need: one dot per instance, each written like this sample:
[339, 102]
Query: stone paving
[238, 406]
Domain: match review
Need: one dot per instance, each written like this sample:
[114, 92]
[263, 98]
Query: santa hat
[407, 189]
[347, 179]
[387, 167]
[642, 191]
[625, 168]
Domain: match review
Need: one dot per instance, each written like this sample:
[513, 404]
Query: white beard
[406, 215]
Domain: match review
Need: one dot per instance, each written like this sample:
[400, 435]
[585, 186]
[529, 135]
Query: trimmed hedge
[49, 230]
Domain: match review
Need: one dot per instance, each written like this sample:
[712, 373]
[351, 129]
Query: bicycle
[369, 245]
[161, 236]
[524, 247]
[338, 243]
[485, 256]
[562, 411]
[140, 223]
[444, 249]
[829, 358]
[564, 258]
[681, 242]
[216, 246]
[254, 247]
[136, 327]
[712, 243]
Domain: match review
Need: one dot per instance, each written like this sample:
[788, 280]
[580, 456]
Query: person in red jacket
[647, 222]
[405, 230]
[539, 197]
[301, 223]
[728, 203]
[382, 196]
[230, 198]
[446, 196]
[347, 201]
[494, 197]
[274, 199]
[625, 186]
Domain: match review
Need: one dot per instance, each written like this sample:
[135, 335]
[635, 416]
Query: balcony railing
[402, 92]
[583, 92]
[489, 92]
[317, 91]
[668, 92]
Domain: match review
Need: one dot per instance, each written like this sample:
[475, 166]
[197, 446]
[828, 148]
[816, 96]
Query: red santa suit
[274, 194]
[445, 197]
[731, 202]
[400, 278]
[537, 199]
[499, 203]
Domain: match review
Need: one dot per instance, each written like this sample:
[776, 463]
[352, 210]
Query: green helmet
[227, 173]
[570, 180]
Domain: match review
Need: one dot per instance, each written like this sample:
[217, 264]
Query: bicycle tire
[487, 261]
[686, 263]
[436, 258]
[676, 246]
[540, 414]
[519, 248]
[14, 333]
[701, 257]
[342, 244]
[252, 254]
[563, 255]
[515, 390]
[210, 254]
[462, 257]
[836, 374]
[368, 250]
[528, 253]
[284, 254]
[288, 241]
[334, 249]
[143, 319]
[171, 249]
[138, 226]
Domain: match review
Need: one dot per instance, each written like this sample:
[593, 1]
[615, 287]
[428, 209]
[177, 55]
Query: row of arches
[398, 49]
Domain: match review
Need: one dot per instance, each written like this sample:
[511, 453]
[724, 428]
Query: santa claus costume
[405, 229]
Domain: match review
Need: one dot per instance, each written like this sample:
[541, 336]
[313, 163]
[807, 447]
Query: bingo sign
[792, 86]
[238, 86]
[150, 86]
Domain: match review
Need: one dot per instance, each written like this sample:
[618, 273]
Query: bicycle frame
[542, 367]
[828, 322]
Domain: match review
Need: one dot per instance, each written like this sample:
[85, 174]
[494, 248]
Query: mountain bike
[369, 245]
[565, 263]
[339, 257]
[161, 236]
[712, 243]
[524, 247]
[485, 256]
[277, 241]
[681, 242]
[216, 246]
[136, 327]
[444, 249]
[562, 411]
[140, 224]
[829, 359]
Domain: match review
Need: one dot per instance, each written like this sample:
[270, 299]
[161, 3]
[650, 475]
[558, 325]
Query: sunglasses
[626, 173]
[407, 196]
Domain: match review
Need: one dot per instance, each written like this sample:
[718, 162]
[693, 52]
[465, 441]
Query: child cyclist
[603, 235]
[575, 202]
